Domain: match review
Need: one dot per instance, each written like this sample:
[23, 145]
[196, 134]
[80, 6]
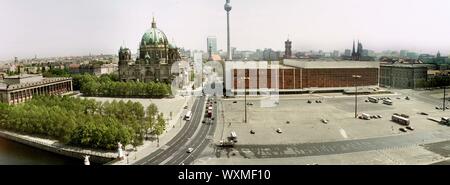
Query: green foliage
[53, 72]
[438, 81]
[82, 122]
[106, 86]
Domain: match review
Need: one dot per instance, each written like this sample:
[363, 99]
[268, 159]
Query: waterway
[13, 153]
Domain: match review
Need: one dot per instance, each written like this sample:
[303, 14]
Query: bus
[373, 100]
[188, 116]
[387, 102]
[366, 116]
[400, 120]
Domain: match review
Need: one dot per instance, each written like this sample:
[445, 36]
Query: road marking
[343, 133]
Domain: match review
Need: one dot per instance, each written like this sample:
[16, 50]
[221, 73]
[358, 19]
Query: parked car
[409, 128]
[407, 98]
[252, 132]
[324, 121]
[234, 101]
[423, 113]
[279, 130]
[379, 116]
[402, 129]
[186, 107]
[309, 101]
[189, 150]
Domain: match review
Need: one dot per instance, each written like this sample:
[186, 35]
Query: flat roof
[4, 86]
[407, 65]
[22, 76]
[255, 65]
[324, 64]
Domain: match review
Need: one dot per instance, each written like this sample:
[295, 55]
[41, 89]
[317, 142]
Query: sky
[79, 27]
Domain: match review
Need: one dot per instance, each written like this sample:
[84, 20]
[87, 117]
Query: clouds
[52, 27]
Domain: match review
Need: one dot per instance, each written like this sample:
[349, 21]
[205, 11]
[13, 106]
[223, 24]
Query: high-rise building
[356, 54]
[335, 53]
[211, 43]
[288, 49]
[348, 53]
[403, 53]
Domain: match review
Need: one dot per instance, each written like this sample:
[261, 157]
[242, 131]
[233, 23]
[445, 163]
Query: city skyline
[53, 28]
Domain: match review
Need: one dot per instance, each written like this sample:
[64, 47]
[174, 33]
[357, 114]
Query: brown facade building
[295, 75]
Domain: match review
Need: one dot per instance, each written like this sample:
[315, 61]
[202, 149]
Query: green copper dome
[154, 36]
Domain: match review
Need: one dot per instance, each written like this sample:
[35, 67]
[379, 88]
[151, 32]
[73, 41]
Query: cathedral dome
[154, 36]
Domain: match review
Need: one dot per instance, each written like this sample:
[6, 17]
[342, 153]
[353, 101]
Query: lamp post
[356, 77]
[443, 101]
[245, 96]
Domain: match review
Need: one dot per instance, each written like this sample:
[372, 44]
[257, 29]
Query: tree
[160, 126]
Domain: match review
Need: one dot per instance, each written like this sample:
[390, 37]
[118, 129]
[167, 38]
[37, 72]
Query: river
[12, 153]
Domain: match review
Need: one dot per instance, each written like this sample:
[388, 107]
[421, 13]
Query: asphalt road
[337, 147]
[199, 142]
[172, 148]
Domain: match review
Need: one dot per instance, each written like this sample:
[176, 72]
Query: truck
[209, 112]
[400, 120]
[188, 116]
[225, 143]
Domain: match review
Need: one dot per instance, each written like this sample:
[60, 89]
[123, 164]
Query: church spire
[153, 22]
[353, 50]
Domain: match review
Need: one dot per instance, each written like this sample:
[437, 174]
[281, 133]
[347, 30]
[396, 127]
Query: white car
[324, 121]
[279, 131]
[189, 150]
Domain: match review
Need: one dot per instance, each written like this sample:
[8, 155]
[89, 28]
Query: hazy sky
[79, 27]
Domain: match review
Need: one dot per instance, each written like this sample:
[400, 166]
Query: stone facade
[155, 59]
[21, 92]
[403, 76]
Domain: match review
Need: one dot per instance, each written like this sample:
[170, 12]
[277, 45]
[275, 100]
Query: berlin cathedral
[154, 61]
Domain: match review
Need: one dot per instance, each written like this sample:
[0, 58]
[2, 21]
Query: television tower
[228, 9]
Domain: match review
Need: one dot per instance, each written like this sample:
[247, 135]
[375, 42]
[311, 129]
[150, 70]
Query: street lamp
[443, 101]
[245, 96]
[356, 77]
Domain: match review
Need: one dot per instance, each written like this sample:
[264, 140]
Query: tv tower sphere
[227, 6]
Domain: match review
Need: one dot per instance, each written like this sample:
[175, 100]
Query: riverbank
[96, 156]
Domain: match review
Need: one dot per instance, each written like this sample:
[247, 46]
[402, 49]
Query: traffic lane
[175, 142]
[183, 155]
[171, 150]
[182, 152]
[205, 141]
[196, 142]
[203, 144]
[158, 152]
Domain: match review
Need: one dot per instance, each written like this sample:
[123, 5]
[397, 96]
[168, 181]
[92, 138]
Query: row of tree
[107, 87]
[83, 122]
